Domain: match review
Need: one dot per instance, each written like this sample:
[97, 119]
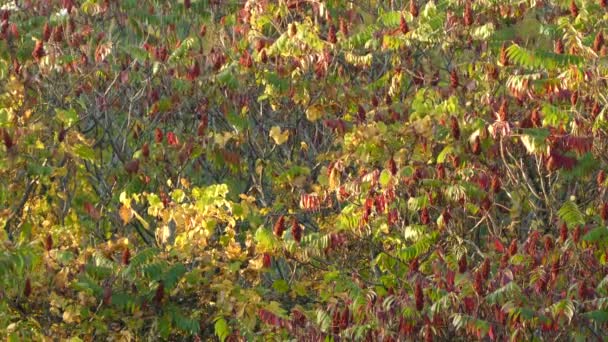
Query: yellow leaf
[185, 183]
[334, 179]
[166, 235]
[257, 263]
[125, 213]
[247, 198]
[221, 139]
[61, 278]
[278, 136]
[124, 199]
[71, 315]
[424, 127]
[314, 113]
[68, 317]
[15, 87]
[233, 250]
[259, 166]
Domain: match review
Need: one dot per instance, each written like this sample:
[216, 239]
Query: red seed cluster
[27, 289]
[38, 50]
[419, 296]
[331, 35]
[107, 294]
[414, 8]
[601, 178]
[462, 264]
[266, 260]
[476, 147]
[454, 127]
[504, 59]
[279, 226]
[573, 9]
[454, 82]
[48, 242]
[296, 230]
[559, 47]
[424, 216]
[160, 293]
[126, 256]
[513, 247]
[468, 13]
[403, 27]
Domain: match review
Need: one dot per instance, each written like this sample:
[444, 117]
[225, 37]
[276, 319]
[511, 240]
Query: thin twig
[19, 206]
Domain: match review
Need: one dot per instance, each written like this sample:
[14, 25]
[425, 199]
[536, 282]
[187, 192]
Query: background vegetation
[303, 169]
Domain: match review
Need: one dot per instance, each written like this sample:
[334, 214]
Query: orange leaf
[126, 214]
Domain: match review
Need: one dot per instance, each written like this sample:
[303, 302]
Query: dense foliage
[302, 169]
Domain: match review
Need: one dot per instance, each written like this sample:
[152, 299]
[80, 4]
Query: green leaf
[565, 307]
[178, 195]
[123, 300]
[136, 52]
[417, 203]
[509, 291]
[182, 322]
[348, 218]
[172, 276]
[280, 285]
[385, 178]
[222, 330]
[444, 153]
[65, 256]
[571, 214]
[4, 117]
[266, 239]
[84, 152]
[534, 139]
[599, 316]
[67, 116]
[541, 58]
[226, 77]
[553, 116]
[598, 234]
[331, 276]
[3, 69]
[275, 308]
[483, 32]
[141, 259]
[420, 247]
[86, 284]
[323, 320]
[164, 325]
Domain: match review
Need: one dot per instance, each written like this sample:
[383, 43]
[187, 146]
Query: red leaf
[92, 211]
[172, 139]
[498, 246]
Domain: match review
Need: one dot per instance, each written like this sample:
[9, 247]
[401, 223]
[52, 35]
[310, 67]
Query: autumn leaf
[279, 137]
[498, 246]
[314, 113]
[411, 148]
[334, 179]
[102, 51]
[92, 211]
[125, 213]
